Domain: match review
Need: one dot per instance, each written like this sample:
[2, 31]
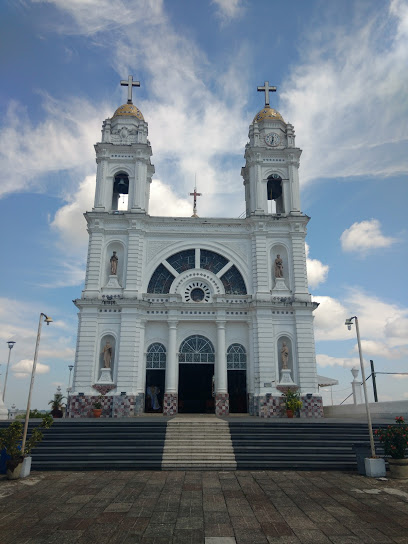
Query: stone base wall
[272, 406]
[222, 404]
[170, 404]
[312, 407]
[112, 406]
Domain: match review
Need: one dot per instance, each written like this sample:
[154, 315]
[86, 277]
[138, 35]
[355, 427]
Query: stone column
[221, 382]
[170, 402]
[356, 387]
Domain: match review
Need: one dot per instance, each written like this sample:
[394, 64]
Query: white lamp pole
[47, 320]
[349, 322]
[10, 346]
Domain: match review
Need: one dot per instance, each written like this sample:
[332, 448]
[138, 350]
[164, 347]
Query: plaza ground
[227, 507]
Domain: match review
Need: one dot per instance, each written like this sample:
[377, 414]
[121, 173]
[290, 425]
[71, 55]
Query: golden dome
[268, 113]
[129, 110]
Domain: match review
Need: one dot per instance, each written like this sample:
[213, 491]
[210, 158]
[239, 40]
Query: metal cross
[129, 84]
[266, 88]
[195, 195]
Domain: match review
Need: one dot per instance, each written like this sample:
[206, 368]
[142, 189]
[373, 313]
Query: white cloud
[380, 349]
[399, 376]
[69, 221]
[326, 360]
[316, 271]
[62, 141]
[345, 97]
[23, 368]
[164, 202]
[228, 10]
[382, 325]
[329, 319]
[21, 325]
[365, 236]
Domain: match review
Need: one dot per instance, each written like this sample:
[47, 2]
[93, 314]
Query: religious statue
[152, 392]
[284, 356]
[278, 267]
[107, 355]
[114, 264]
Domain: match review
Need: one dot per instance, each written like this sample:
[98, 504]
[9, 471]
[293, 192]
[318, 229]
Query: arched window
[236, 357]
[274, 193]
[120, 187]
[156, 356]
[233, 282]
[196, 349]
[161, 280]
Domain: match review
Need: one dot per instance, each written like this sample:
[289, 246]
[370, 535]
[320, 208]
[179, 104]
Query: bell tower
[123, 159]
[270, 173]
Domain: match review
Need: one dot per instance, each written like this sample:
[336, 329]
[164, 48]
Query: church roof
[268, 113]
[129, 110]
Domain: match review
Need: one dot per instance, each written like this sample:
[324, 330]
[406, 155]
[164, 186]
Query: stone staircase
[198, 443]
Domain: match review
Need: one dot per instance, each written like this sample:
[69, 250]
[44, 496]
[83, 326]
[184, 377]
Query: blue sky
[342, 78]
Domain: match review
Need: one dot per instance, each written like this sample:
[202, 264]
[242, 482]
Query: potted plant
[292, 402]
[56, 405]
[10, 440]
[97, 406]
[395, 441]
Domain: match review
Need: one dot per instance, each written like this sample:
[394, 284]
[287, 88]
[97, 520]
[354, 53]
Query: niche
[107, 352]
[275, 194]
[280, 250]
[120, 254]
[289, 354]
[120, 191]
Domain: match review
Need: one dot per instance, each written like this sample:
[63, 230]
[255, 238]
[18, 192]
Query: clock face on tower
[272, 139]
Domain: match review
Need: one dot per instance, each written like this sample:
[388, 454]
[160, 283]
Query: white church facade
[191, 314]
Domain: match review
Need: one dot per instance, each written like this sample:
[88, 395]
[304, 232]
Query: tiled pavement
[203, 507]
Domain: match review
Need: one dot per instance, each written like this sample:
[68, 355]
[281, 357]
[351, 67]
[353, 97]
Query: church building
[193, 314]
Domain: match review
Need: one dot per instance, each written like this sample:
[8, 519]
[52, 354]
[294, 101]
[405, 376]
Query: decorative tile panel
[222, 404]
[170, 404]
[312, 407]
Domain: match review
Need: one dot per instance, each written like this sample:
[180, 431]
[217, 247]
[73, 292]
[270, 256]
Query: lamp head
[10, 344]
[47, 319]
[349, 322]
[70, 367]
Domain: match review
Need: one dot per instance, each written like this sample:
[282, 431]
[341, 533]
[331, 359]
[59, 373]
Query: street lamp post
[70, 372]
[10, 346]
[47, 320]
[349, 322]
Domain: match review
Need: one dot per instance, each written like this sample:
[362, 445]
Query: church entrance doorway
[155, 377]
[196, 371]
[237, 388]
[195, 388]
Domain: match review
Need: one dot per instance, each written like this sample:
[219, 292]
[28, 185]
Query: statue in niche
[284, 356]
[107, 355]
[114, 264]
[278, 267]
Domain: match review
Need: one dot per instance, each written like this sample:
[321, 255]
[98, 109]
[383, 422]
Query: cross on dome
[266, 88]
[195, 195]
[129, 83]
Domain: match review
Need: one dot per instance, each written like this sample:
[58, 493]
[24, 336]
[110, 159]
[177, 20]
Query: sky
[340, 68]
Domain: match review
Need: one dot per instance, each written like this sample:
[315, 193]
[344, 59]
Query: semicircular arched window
[156, 356]
[196, 349]
[236, 357]
[166, 272]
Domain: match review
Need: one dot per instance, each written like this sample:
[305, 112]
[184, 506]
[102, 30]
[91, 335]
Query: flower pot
[26, 467]
[374, 467]
[289, 413]
[14, 467]
[398, 468]
[97, 412]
